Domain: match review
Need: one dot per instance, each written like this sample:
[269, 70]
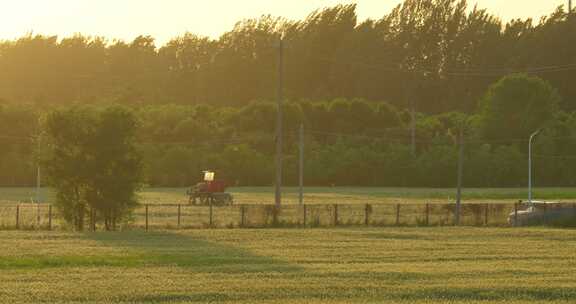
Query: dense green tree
[93, 163]
[516, 106]
[188, 59]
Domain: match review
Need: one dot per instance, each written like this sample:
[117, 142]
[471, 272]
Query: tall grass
[329, 195]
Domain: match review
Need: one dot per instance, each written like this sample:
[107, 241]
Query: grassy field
[394, 265]
[316, 195]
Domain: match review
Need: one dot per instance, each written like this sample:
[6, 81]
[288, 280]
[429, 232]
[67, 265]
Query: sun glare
[167, 19]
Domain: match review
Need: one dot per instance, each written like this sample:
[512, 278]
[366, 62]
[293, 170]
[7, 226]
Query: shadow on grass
[156, 249]
[175, 249]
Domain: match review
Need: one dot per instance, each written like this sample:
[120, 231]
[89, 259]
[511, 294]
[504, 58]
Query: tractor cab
[209, 192]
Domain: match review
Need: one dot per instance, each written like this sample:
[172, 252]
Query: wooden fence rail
[178, 216]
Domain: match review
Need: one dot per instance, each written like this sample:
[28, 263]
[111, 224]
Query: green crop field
[320, 195]
[393, 265]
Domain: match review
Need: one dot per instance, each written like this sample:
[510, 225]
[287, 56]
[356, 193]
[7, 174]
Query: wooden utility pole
[49, 217]
[301, 166]
[460, 172]
[17, 216]
[279, 156]
[412, 128]
[146, 210]
[38, 176]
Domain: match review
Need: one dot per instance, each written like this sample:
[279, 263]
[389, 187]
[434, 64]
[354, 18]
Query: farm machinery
[209, 192]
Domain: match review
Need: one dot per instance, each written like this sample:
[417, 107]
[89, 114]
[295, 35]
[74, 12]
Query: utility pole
[279, 156]
[38, 185]
[38, 176]
[569, 7]
[460, 173]
[301, 166]
[412, 128]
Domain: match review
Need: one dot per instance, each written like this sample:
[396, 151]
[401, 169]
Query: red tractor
[209, 192]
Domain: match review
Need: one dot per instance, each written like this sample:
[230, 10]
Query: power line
[359, 136]
[14, 136]
[407, 140]
[294, 133]
[205, 142]
[427, 68]
[391, 67]
[544, 156]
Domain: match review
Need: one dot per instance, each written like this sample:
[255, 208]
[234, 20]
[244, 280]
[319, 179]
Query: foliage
[520, 104]
[445, 53]
[93, 163]
[206, 103]
[347, 143]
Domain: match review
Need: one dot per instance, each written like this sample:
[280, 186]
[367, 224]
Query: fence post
[179, 214]
[38, 215]
[17, 216]
[211, 220]
[427, 214]
[515, 214]
[91, 223]
[146, 217]
[486, 210]
[275, 211]
[398, 215]
[304, 215]
[49, 217]
[367, 209]
[242, 216]
[93, 219]
[335, 214]
[113, 221]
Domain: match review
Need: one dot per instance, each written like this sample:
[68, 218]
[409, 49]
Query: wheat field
[345, 265]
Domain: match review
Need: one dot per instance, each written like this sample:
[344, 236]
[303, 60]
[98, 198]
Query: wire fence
[182, 216]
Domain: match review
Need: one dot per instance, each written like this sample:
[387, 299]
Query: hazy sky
[164, 19]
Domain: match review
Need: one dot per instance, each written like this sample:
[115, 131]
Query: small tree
[93, 163]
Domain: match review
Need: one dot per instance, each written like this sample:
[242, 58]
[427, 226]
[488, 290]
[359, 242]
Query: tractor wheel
[204, 199]
[228, 198]
[222, 199]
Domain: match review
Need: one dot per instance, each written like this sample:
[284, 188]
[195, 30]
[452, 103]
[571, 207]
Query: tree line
[437, 55]
[348, 142]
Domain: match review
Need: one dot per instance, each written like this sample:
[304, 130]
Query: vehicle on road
[541, 213]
